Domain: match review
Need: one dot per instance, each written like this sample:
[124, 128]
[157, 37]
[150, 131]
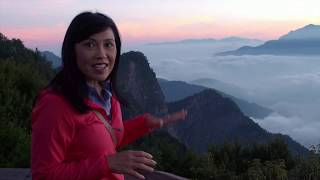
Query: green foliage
[23, 73]
[233, 161]
[171, 156]
[307, 168]
[230, 161]
[15, 148]
[19, 85]
[255, 170]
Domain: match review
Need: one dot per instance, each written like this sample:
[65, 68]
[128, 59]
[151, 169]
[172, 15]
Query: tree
[22, 74]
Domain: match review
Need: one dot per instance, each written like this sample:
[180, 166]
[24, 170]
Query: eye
[109, 45]
[89, 44]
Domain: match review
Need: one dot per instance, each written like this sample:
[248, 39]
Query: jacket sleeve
[134, 129]
[52, 132]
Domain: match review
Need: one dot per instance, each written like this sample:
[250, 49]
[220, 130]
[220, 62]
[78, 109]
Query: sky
[42, 23]
[276, 80]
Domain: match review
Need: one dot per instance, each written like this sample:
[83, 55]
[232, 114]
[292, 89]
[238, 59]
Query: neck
[96, 85]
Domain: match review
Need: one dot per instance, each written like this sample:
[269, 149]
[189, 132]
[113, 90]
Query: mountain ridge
[310, 31]
[303, 41]
[178, 90]
[206, 40]
[213, 119]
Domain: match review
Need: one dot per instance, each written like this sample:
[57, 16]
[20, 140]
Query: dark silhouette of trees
[23, 73]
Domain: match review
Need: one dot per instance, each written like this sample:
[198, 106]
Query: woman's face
[96, 55]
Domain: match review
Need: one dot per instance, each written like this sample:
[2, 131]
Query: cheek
[113, 62]
[113, 55]
[82, 63]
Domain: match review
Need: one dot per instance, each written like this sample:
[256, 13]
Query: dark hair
[70, 81]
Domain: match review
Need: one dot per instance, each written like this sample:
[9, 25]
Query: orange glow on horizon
[45, 38]
[41, 34]
[159, 30]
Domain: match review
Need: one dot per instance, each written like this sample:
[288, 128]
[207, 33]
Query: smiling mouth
[100, 66]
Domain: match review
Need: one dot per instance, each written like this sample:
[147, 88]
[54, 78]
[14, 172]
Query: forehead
[103, 35]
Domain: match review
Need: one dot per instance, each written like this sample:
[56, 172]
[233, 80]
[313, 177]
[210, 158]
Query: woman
[76, 122]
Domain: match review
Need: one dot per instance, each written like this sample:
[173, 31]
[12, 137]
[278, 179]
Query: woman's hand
[156, 122]
[131, 162]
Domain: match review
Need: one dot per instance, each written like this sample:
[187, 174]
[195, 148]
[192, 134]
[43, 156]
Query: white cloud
[288, 85]
[300, 79]
[304, 132]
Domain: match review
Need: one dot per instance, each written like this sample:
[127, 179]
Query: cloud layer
[288, 85]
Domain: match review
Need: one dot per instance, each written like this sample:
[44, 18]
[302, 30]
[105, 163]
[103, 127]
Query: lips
[100, 66]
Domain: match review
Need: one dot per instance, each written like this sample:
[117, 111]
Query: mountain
[186, 41]
[303, 41]
[221, 86]
[232, 39]
[239, 39]
[138, 83]
[178, 90]
[56, 60]
[211, 119]
[310, 32]
[14, 51]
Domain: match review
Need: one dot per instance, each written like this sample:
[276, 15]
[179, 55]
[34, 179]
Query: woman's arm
[135, 128]
[141, 125]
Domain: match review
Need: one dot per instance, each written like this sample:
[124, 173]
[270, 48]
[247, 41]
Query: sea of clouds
[290, 85]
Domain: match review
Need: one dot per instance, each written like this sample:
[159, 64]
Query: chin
[99, 79]
[102, 79]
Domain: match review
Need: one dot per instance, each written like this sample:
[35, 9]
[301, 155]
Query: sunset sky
[42, 23]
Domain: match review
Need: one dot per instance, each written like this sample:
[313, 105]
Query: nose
[101, 52]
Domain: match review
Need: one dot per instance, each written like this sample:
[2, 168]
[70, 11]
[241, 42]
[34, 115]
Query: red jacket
[70, 145]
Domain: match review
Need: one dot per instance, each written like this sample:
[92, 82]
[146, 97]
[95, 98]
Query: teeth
[99, 66]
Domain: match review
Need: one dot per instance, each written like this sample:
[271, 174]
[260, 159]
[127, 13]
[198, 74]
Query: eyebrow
[108, 39]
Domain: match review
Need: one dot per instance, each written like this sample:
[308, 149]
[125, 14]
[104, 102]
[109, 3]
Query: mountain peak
[56, 60]
[311, 26]
[307, 32]
[208, 41]
[303, 41]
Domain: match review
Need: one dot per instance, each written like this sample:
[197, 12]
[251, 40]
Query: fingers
[143, 167]
[183, 113]
[180, 115]
[143, 158]
[131, 162]
[140, 167]
[161, 123]
[156, 122]
[141, 154]
[146, 161]
[136, 174]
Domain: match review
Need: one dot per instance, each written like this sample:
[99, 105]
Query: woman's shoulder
[51, 99]
[49, 95]
[53, 106]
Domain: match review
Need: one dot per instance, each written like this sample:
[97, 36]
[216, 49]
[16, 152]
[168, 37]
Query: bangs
[91, 25]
